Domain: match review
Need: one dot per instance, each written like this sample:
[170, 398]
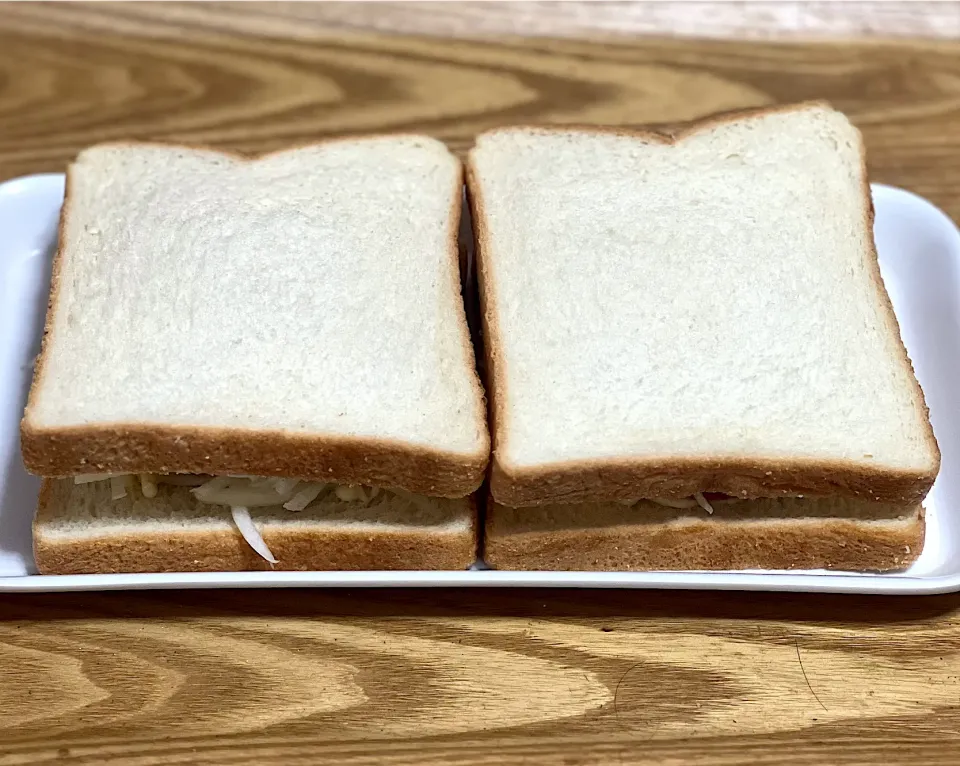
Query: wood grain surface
[69, 81]
[468, 677]
[363, 677]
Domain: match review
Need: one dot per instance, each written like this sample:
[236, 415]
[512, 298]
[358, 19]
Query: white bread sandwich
[285, 333]
[81, 528]
[768, 533]
[694, 318]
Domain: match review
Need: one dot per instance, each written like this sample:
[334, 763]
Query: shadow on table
[593, 606]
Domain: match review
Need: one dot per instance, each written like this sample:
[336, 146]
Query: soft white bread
[699, 311]
[80, 529]
[787, 533]
[295, 315]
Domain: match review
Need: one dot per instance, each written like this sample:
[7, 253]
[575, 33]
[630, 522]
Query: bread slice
[699, 311]
[788, 533]
[80, 529]
[299, 314]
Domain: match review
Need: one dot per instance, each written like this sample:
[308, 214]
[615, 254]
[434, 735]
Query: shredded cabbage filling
[698, 499]
[240, 494]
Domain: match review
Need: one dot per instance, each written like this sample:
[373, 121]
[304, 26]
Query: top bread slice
[298, 314]
[694, 311]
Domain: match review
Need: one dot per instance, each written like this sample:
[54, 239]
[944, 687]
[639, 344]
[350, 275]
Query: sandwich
[692, 361]
[258, 363]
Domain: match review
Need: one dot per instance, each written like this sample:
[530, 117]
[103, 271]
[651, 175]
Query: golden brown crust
[601, 480]
[893, 327]
[146, 448]
[55, 268]
[297, 549]
[494, 381]
[820, 543]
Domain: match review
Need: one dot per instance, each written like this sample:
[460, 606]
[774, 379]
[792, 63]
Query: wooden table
[460, 676]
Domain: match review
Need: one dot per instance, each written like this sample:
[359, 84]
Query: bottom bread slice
[80, 529]
[782, 533]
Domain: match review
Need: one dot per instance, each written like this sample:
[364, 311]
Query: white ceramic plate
[920, 259]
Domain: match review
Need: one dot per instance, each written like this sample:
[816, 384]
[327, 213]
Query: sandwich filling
[705, 500]
[240, 494]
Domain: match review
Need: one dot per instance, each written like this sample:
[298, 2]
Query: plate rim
[755, 581]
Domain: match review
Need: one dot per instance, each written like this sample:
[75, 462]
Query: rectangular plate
[919, 251]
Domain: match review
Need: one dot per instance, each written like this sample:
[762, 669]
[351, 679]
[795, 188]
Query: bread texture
[298, 314]
[693, 311]
[80, 529]
[778, 534]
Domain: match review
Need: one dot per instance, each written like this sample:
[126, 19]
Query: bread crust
[148, 448]
[821, 543]
[666, 476]
[144, 448]
[297, 549]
